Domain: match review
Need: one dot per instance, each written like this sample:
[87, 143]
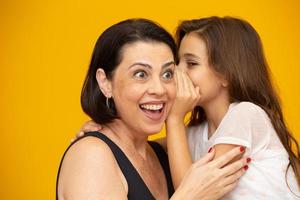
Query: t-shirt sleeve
[240, 125]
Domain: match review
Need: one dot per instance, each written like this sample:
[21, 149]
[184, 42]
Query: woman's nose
[157, 87]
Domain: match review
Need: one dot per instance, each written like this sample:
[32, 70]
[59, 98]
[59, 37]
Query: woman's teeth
[152, 107]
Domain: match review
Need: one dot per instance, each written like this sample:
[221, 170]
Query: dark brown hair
[107, 54]
[235, 51]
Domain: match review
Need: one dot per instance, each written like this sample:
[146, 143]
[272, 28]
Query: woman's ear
[104, 83]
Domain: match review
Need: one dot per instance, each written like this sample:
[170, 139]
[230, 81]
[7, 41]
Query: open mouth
[153, 111]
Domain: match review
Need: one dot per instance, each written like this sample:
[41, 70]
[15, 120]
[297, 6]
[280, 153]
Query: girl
[223, 72]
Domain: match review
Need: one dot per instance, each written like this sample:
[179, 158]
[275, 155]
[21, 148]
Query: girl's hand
[186, 98]
[210, 180]
[88, 126]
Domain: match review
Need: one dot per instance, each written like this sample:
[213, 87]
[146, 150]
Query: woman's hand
[88, 126]
[210, 180]
[187, 96]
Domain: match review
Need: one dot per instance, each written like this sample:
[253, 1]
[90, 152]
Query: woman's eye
[140, 74]
[168, 75]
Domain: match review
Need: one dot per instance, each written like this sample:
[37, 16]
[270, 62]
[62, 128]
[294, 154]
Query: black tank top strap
[163, 159]
[137, 189]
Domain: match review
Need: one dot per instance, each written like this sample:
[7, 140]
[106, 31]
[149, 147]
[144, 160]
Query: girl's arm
[178, 151]
[221, 149]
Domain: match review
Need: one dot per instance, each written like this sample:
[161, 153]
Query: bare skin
[208, 178]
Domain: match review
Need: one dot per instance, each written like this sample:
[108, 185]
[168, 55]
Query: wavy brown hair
[235, 51]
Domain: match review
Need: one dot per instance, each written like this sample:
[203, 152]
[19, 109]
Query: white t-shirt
[247, 124]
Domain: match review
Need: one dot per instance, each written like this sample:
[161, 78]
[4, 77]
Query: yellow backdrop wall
[45, 48]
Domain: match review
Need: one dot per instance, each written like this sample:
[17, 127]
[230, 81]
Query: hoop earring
[107, 102]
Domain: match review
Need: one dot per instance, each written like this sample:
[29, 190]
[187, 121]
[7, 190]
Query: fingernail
[80, 133]
[246, 167]
[248, 160]
[242, 148]
[210, 149]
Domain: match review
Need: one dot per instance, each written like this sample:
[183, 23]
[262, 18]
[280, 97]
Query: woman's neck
[126, 138]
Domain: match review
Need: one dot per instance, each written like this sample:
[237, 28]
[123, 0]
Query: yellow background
[45, 48]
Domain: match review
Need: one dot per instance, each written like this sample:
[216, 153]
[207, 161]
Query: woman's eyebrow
[168, 64]
[141, 64]
[149, 66]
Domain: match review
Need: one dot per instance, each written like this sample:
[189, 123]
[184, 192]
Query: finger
[189, 83]
[89, 127]
[233, 177]
[194, 91]
[234, 167]
[177, 79]
[197, 90]
[99, 127]
[180, 81]
[227, 157]
[207, 158]
[227, 189]
[185, 83]
[79, 134]
[92, 123]
[72, 140]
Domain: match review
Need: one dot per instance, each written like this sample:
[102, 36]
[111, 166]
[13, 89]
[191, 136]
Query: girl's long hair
[235, 51]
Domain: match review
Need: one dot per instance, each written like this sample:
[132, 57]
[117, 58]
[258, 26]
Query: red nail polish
[210, 149]
[242, 148]
[248, 160]
[246, 167]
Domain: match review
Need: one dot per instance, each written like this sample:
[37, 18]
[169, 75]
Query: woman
[129, 89]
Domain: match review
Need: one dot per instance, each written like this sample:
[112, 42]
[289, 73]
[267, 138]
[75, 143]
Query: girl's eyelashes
[191, 63]
[188, 62]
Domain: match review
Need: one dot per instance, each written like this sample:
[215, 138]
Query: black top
[137, 189]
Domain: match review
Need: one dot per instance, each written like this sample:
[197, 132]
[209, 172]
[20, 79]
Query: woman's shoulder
[88, 152]
[89, 162]
[89, 144]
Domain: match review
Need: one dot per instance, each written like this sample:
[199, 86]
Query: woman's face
[194, 60]
[143, 86]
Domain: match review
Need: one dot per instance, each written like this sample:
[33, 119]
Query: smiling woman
[143, 86]
[129, 89]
